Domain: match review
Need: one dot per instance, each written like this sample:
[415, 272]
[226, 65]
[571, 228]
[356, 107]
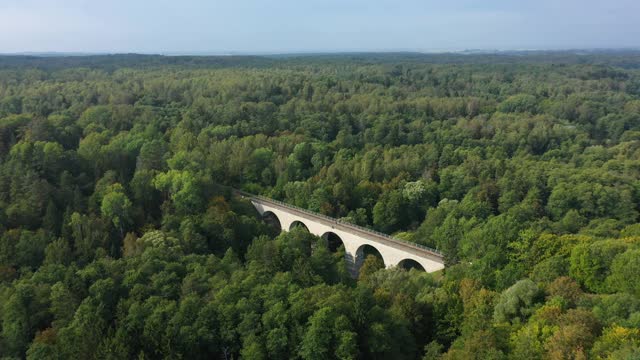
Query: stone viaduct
[358, 242]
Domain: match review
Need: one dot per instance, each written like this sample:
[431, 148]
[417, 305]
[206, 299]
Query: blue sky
[254, 26]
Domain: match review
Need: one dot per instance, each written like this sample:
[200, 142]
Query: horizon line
[478, 51]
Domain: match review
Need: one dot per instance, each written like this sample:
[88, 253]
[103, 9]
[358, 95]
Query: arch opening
[272, 220]
[298, 224]
[334, 242]
[408, 264]
[365, 251]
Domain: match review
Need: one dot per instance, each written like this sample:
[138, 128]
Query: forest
[120, 237]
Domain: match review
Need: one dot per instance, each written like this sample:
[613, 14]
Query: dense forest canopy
[120, 237]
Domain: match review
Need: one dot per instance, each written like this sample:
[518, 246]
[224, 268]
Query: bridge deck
[348, 227]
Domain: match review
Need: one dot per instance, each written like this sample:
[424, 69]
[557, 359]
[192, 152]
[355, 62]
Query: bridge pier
[352, 260]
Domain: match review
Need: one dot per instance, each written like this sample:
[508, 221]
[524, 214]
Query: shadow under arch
[298, 224]
[408, 264]
[334, 242]
[363, 252]
[272, 219]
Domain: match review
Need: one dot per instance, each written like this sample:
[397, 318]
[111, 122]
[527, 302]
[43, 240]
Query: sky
[285, 26]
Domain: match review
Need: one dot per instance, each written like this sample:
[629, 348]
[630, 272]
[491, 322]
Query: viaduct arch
[355, 239]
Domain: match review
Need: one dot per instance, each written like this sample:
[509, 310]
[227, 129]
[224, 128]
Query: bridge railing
[341, 222]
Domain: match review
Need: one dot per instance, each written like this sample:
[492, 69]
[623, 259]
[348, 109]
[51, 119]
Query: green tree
[591, 263]
[389, 212]
[623, 272]
[516, 303]
[116, 206]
